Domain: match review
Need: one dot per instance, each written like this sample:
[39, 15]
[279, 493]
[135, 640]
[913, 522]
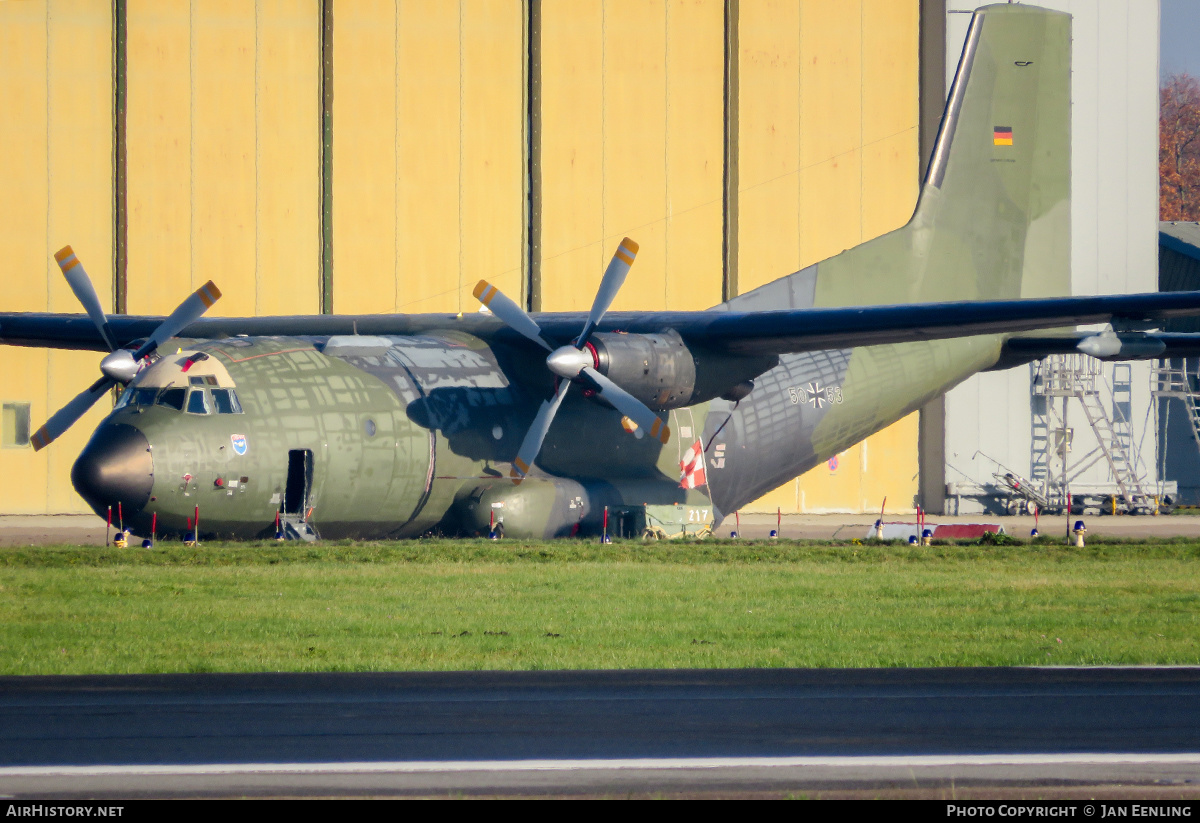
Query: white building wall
[1114, 217]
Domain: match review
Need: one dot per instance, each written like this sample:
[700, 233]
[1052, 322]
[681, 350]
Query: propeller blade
[65, 417]
[610, 284]
[628, 405]
[532, 444]
[513, 315]
[85, 292]
[189, 310]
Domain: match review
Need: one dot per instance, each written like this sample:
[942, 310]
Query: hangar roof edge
[1182, 238]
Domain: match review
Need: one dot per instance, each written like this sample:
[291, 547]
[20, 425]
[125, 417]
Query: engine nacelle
[657, 369]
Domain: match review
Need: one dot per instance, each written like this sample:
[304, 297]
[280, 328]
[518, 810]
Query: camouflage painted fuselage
[419, 435]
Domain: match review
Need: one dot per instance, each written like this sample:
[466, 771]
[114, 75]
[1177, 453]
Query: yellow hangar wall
[428, 153]
[430, 159]
[223, 146]
[56, 140]
[632, 144]
[828, 145]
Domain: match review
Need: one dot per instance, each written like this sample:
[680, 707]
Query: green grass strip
[511, 604]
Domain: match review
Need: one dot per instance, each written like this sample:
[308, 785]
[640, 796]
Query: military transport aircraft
[396, 425]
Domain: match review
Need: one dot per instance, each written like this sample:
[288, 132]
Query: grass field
[567, 604]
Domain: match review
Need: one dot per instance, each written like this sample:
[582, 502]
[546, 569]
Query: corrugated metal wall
[512, 140]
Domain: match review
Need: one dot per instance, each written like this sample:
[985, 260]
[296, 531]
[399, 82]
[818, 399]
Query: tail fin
[994, 215]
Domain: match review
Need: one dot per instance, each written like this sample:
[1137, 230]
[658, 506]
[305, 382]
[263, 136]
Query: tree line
[1179, 149]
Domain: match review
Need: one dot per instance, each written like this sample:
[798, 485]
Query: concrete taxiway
[1134, 732]
[86, 529]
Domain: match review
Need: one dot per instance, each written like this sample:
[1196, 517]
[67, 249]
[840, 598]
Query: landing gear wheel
[649, 534]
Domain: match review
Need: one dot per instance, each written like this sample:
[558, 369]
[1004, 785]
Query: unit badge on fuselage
[239, 443]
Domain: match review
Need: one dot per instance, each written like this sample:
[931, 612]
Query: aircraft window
[136, 397]
[226, 400]
[197, 403]
[210, 380]
[196, 380]
[172, 398]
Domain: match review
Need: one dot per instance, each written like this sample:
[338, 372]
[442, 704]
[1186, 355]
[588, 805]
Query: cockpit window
[137, 398]
[144, 397]
[172, 398]
[226, 401]
[197, 402]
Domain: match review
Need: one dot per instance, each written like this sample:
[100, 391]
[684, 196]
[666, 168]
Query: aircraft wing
[808, 329]
[736, 333]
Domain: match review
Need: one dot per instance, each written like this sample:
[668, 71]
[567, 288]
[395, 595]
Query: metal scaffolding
[1060, 383]
[1174, 379]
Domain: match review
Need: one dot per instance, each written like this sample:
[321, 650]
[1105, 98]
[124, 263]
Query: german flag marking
[1002, 136]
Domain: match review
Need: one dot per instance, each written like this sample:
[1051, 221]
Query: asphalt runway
[751, 732]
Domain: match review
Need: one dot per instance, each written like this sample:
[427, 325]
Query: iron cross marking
[817, 395]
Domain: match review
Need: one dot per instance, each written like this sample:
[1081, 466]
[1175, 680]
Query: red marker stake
[197, 524]
[778, 522]
[108, 528]
[737, 518]
[120, 516]
[491, 521]
[604, 536]
[153, 527]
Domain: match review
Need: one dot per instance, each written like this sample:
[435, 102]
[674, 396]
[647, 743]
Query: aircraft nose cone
[115, 467]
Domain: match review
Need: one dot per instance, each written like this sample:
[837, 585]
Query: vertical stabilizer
[993, 219]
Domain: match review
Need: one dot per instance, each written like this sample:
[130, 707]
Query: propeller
[120, 365]
[571, 363]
